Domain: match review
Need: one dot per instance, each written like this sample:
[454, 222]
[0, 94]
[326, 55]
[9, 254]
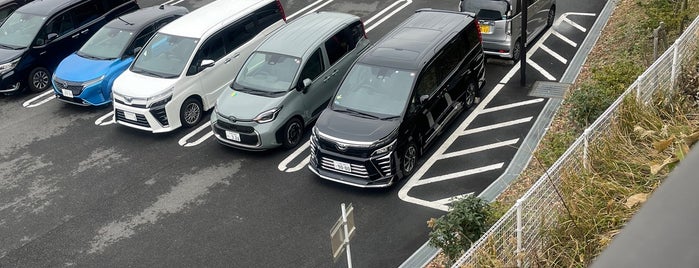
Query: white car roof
[211, 17]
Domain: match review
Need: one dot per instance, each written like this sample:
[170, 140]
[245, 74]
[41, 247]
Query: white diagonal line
[564, 39]
[100, 121]
[554, 54]
[499, 125]
[460, 174]
[184, 139]
[29, 104]
[304, 9]
[541, 70]
[381, 12]
[407, 3]
[574, 24]
[480, 148]
[511, 105]
[450, 199]
[200, 140]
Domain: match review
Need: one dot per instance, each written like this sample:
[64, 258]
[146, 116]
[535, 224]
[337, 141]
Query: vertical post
[639, 81]
[675, 63]
[586, 137]
[523, 45]
[344, 223]
[655, 43]
[519, 232]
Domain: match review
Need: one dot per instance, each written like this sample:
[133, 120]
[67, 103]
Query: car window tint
[140, 40]
[86, 12]
[313, 67]
[6, 11]
[268, 15]
[338, 45]
[356, 32]
[60, 25]
[428, 81]
[239, 33]
[212, 49]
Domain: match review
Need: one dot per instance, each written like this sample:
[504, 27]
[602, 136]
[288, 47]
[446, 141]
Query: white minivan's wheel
[191, 112]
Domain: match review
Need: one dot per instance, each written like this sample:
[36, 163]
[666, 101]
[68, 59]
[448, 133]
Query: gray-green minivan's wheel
[551, 16]
[292, 133]
[408, 159]
[39, 79]
[191, 112]
[516, 50]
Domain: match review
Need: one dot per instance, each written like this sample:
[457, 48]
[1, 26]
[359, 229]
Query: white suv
[180, 71]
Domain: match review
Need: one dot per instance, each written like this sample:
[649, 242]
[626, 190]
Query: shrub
[465, 222]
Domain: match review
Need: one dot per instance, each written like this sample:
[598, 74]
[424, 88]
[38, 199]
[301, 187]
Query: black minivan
[38, 35]
[397, 97]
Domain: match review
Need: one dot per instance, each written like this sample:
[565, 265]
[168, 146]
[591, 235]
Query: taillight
[478, 28]
[281, 8]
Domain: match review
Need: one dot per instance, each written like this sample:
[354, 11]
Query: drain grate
[549, 89]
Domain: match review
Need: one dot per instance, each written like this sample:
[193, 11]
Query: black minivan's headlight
[6, 67]
[385, 149]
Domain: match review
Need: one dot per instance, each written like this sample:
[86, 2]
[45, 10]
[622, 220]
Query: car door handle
[85, 31]
[42, 52]
[334, 72]
[75, 35]
[227, 60]
[236, 55]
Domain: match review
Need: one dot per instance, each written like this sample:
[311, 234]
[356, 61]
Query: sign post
[341, 232]
[523, 45]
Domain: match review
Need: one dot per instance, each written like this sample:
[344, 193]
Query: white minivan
[179, 73]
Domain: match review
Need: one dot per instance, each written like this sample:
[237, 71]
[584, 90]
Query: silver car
[500, 23]
[287, 81]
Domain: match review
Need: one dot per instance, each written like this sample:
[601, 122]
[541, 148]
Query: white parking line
[407, 3]
[451, 199]
[541, 70]
[100, 121]
[479, 149]
[307, 7]
[460, 174]
[30, 103]
[554, 54]
[200, 140]
[282, 166]
[511, 105]
[574, 24]
[183, 140]
[564, 39]
[496, 126]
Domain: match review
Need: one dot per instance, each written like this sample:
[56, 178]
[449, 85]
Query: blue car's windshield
[19, 30]
[376, 90]
[165, 56]
[107, 43]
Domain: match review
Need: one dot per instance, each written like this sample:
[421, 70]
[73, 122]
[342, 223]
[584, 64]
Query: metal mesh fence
[517, 239]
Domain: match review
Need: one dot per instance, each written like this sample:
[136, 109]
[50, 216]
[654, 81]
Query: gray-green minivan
[287, 81]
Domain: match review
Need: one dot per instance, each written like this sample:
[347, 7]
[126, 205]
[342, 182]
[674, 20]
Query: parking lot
[75, 189]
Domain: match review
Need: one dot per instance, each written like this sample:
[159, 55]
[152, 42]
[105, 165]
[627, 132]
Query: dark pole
[522, 45]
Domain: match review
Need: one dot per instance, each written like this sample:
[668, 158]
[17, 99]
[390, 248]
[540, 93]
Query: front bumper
[365, 172]
[93, 95]
[154, 119]
[9, 82]
[244, 135]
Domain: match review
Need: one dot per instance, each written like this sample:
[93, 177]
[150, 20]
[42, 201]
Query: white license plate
[342, 166]
[130, 116]
[232, 136]
[67, 93]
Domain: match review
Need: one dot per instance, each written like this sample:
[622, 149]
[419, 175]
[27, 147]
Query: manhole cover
[549, 89]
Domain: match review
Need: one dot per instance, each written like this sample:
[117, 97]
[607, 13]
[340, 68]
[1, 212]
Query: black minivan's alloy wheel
[191, 112]
[39, 79]
[292, 133]
[408, 159]
[470, 95]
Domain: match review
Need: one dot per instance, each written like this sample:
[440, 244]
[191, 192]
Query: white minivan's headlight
[6, 67]
[267, 116]
[160, 99]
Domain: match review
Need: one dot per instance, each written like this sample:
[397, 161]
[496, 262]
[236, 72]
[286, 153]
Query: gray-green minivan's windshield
[268, 72]
[107, 43]
[19, 30]
[165, 56]
[486, 9]
[376, 90]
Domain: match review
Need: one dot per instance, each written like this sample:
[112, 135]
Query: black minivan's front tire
[39, 79]
[191, 112]
[551, 16]
[408, 159]
[470, 95]
[516, 51]
[292, 133]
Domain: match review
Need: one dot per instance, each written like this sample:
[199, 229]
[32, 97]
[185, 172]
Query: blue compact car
[85, 77]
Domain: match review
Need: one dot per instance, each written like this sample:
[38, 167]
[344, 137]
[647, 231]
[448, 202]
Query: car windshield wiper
[390, 117]
[7, 47]
[355, 112]
[150, 73]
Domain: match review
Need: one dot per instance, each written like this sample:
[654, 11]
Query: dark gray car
[289, 79]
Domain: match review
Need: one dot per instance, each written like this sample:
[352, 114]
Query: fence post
[675, 56]
[639, 81]
[586, 137]
[519, 232]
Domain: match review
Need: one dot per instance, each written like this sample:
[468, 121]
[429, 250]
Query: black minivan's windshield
[379, 91]
[107, 43]
[486, 9]
[165, 56]
[19, 30]
[268, 72]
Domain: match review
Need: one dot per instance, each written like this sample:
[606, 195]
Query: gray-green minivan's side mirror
[304, 84]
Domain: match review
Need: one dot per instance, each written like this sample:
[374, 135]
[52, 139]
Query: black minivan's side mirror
[423, 98]
[136, 50]
[51, 36]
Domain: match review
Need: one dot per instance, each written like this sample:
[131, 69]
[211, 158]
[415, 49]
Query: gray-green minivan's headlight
[267, 116]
